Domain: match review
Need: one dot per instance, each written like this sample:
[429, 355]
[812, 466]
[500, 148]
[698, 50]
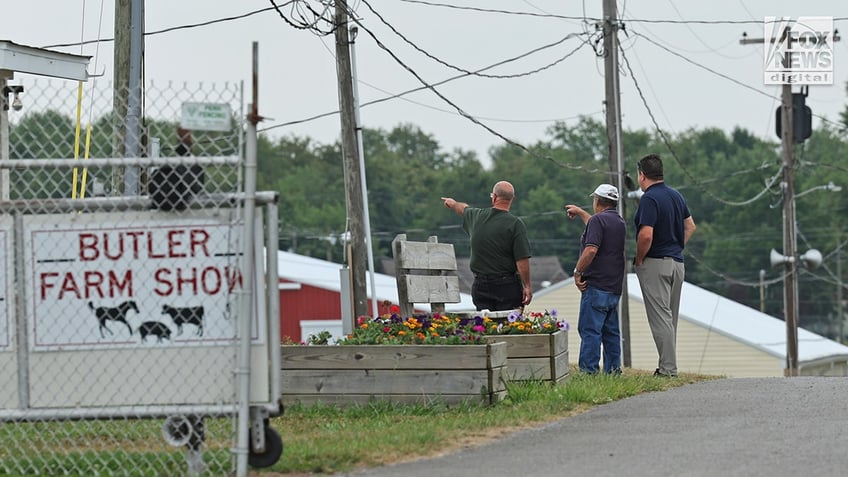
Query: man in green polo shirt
[500, 251]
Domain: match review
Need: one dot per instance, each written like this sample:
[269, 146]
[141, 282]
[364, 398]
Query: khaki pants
[661, 280]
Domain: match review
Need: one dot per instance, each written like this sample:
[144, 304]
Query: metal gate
[137, 327]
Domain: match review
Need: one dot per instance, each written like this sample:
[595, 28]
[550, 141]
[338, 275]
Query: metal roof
[737, 321]
[42, 62]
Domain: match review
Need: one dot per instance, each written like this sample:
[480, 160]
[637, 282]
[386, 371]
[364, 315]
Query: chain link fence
[123, 277]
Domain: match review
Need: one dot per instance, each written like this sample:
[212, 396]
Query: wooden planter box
[355, 374]
[536, 357]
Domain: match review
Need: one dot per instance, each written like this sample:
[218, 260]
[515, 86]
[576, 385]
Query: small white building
[715, 335]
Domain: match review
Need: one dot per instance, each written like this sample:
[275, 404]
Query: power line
[733, 280]
[462, 112]
[566, 17]
[308, 24]
[457, 68]
[722, 75]
[667, 143]
[709, 22]
[170, 29]
[444, 81]
[493, 10]
[706, 68]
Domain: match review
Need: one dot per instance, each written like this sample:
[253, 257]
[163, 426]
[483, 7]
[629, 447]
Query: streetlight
[811, 259]
[635, 194]
[829, 186]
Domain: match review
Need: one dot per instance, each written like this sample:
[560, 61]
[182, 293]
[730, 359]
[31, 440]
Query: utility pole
[789, 136]
[128, 58]
[616, 154]
[790, 270]
[366, 215]
[350, 153]
[790, 282]
[121, 80]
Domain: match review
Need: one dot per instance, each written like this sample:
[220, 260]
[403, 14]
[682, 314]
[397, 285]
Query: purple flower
[512, 317]
[563, 325]
[553, 312]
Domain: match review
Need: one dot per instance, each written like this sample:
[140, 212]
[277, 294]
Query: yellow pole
[77, 138]
[85, 156]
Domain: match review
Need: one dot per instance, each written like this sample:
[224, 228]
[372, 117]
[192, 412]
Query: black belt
[501, 276]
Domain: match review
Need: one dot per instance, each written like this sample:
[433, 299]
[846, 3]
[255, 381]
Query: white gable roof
[737, 321]
[324, 274]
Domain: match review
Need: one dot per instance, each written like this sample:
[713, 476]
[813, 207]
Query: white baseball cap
[607, 191]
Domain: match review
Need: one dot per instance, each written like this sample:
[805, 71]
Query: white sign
[798, 51]
[206, 116]
[116, 281]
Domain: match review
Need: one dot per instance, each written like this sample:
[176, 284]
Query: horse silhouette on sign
[117, 313]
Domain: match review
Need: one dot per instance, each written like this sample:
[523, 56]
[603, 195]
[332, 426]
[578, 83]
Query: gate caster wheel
[272, 453]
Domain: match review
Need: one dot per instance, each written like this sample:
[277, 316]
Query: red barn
[310, 296]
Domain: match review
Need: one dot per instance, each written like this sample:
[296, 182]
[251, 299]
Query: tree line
[731, 180]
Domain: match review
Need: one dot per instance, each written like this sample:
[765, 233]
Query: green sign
[206, 116]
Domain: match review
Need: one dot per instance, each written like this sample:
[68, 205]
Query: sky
[685, 57]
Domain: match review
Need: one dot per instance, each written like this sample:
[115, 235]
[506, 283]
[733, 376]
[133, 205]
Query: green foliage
[724, 177]
[732, 183]
[321, 338]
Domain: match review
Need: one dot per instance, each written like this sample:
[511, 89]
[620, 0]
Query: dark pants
[497, 292]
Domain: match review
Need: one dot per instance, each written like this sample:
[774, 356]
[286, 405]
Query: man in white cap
[599, 274]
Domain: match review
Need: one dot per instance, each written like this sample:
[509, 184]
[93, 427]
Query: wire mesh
[121, 254]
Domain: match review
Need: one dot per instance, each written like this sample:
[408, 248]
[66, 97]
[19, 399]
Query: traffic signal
[802, 119]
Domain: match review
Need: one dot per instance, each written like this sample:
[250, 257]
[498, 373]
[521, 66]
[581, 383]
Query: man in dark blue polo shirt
[599, 274]
[663, 226]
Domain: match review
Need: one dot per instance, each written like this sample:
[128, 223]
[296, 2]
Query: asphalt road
[728, 427]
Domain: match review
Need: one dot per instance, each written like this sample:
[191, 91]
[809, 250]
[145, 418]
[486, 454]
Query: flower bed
[426, 358]
[455, 329]
[537, 345]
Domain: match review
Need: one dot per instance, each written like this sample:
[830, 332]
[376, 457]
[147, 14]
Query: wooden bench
[425, 273]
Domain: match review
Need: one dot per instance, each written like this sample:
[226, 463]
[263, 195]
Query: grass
[125, 447]
[317, 439]
[325, 439]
